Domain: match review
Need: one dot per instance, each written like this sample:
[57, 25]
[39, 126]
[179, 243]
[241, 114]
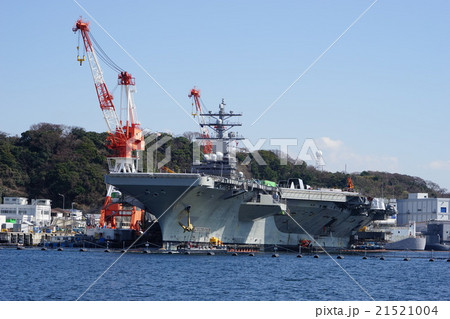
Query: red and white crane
[206, 144]
[123, 139]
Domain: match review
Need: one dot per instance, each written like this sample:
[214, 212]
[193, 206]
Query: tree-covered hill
[49, 160]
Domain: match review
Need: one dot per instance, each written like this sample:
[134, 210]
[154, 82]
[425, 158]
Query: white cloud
[338, 157]
[440, 165]
[328, 143]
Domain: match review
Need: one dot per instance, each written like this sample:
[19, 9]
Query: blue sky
[377, 100]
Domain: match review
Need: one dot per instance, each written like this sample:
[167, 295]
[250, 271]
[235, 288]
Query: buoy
[43, 248]
[252, 255]
[365, 257]
[299, 256]
[448, 260]
[316, 256]
[123, 251]
[275, 255]
[107, 251]
[83, 249]
[234, 254]
[431, 259]
[340, 257]
[405, 259]
[381, 258]
[60, 249]
[210, 253]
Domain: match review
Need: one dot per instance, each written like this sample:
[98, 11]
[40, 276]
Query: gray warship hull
[215, 208]
[413, 243]
[196, 208]
[328, 216]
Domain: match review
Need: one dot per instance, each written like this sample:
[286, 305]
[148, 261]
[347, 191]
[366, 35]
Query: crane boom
[104, 97]
[207, 144]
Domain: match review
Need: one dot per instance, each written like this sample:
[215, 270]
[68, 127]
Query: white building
[420, 208]
[76, 214]
[18, 209]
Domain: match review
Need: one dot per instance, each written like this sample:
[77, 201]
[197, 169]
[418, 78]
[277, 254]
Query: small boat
[201, 248]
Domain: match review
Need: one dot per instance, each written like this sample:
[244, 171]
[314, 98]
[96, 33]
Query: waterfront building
[76, 214]
[420, 208]
[18, 211]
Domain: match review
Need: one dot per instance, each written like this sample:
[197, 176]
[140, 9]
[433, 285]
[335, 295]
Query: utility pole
[64, 201]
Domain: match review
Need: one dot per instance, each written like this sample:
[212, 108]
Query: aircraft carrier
[215, 201]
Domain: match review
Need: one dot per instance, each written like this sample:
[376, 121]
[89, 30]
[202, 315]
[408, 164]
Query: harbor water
[32, 274]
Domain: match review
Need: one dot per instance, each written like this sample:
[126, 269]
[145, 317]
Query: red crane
[350, 186]
[206, 144]
[123, 139]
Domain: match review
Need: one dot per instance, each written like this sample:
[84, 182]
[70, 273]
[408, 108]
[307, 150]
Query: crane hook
[78, 56]
[81, 59]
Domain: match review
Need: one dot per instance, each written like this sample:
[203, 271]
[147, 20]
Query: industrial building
[18, 213]
[420, 208]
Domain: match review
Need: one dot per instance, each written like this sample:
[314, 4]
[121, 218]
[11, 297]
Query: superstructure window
[8, 211]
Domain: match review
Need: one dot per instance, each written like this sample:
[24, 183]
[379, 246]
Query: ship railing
[247, 184]
[313, 195]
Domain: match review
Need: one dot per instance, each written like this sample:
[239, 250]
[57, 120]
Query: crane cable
[79, 59]
[203, 106]
[78, 46]
[104, 57]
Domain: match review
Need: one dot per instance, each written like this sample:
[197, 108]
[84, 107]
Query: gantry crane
[123, 139]
[207, 147]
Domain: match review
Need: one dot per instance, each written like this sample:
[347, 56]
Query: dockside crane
[124, 139]
[207, 146]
